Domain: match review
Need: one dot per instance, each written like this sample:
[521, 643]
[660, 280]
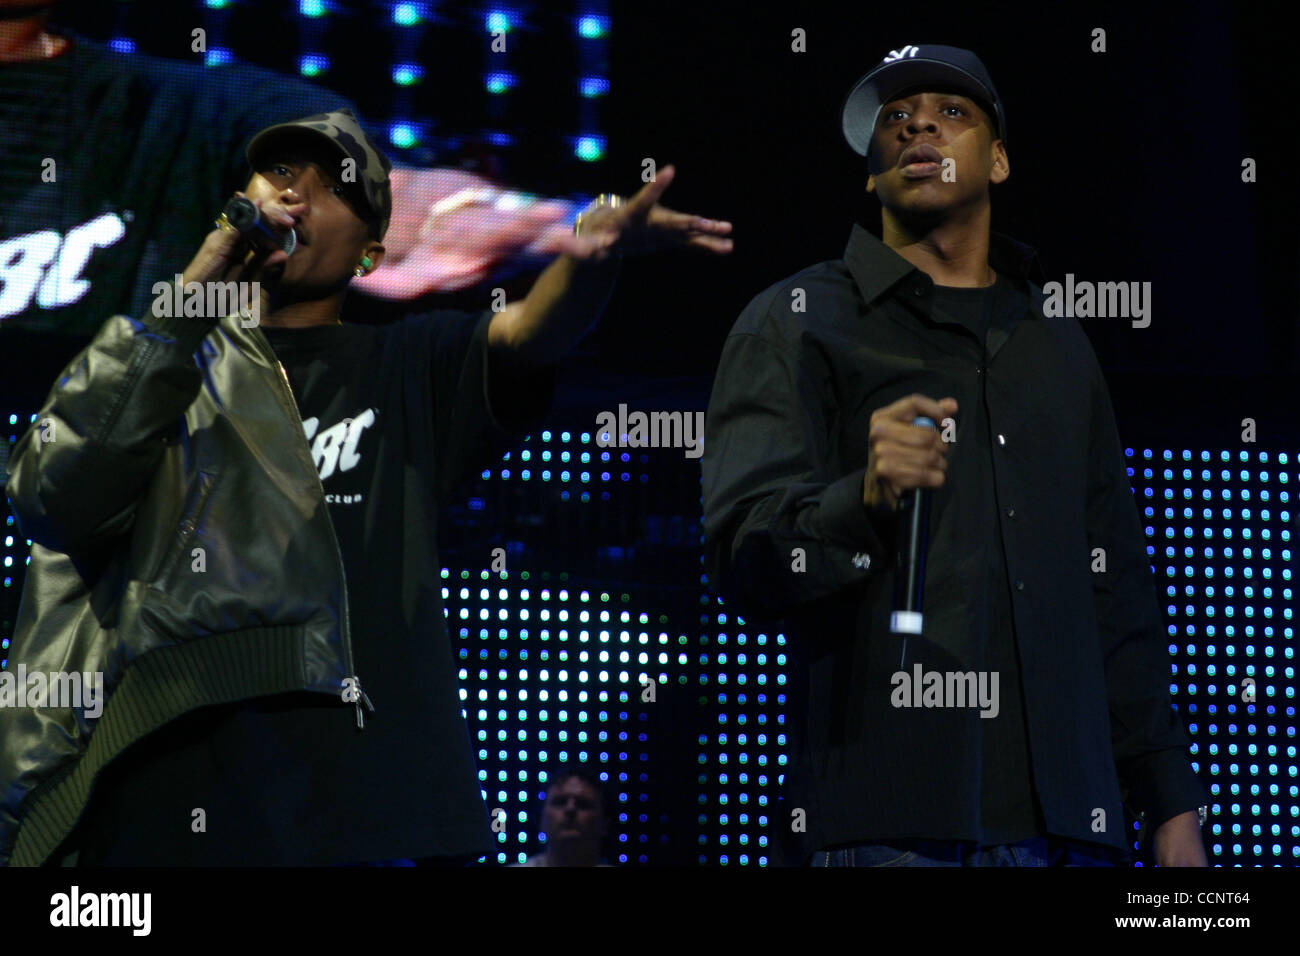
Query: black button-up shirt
[1008, 809]
[1036, 473]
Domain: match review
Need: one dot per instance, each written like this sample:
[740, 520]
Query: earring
[359, 272]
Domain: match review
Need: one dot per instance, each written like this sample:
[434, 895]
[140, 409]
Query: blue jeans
[1038, 851]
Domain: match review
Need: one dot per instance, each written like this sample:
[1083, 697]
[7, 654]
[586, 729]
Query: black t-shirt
[1009, 810]
[112, 169]
[396, 416]
[972, 308]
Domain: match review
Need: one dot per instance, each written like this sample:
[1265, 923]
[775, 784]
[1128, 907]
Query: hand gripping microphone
[914, 523]
[244, 216]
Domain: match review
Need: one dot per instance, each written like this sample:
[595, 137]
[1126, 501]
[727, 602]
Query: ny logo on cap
[907, 51]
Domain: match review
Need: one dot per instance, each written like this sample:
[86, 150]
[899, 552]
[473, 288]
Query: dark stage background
[1126, 166]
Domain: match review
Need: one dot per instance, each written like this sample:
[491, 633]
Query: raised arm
[79, 471]
[569, 294]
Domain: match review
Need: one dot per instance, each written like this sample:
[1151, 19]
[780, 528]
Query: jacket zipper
[338, 555]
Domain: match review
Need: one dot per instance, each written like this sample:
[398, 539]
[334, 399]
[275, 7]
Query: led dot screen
[1218, 535]
[604, 593]
[505, 105]
[1218, 528]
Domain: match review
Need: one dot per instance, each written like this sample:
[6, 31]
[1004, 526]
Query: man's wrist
[875, 498]
[1201, 815]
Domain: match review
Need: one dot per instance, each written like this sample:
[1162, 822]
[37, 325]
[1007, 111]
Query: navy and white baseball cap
[916, 66]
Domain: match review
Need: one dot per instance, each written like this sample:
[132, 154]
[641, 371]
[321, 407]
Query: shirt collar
[876, 268]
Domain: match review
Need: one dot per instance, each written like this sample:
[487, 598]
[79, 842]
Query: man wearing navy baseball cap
[1032, 705]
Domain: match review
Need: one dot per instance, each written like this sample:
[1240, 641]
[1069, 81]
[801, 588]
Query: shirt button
[862, 561]
[1011, 512]
[919, 290]
[1001, 440]
[1020, 585]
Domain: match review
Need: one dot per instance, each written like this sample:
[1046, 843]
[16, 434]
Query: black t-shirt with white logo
[396, 416]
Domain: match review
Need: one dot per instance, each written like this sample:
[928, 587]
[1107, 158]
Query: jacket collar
[876, 268]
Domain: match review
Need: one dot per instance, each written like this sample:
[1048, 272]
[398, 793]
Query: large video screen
[127, 134]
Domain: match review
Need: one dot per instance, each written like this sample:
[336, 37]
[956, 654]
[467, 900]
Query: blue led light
[121, 45]
[313, 64]
[403, 135]
[593, 86]
[499, 21]
[407, 14]
[407, 74]
[216, 56]
[589, 148]
[499, 82]
[593, 27]
[313, 8]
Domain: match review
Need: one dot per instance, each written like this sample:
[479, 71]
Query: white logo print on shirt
[335, 448]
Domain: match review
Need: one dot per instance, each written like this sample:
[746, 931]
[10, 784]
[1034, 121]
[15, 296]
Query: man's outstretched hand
[450, 230]
[641, 225]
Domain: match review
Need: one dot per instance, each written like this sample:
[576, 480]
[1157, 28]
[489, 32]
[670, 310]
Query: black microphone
[914, 521]
[244, 215]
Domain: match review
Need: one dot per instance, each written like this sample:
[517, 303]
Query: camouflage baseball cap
[370, 192]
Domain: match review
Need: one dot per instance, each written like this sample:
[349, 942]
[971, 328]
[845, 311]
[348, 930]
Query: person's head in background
[574, 818]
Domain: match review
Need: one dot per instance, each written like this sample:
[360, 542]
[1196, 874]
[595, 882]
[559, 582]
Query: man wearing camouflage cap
[361, 162]
[234, 520]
